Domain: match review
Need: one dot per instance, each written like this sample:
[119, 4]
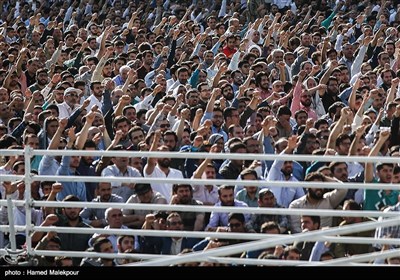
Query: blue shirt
[75, 188]
[221, 219]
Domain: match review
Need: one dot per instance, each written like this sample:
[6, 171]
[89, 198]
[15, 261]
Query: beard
[314, 195]
[106, 197]
[185, 200]
[306, 103]
[286, 172]
[72, 216]
[165, 162]
[332, 92]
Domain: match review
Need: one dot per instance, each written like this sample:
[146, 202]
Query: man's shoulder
[298, 203]
[175, 171]
[110, 168]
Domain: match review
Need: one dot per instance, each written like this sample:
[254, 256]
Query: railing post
[27, 198]
[10, 214]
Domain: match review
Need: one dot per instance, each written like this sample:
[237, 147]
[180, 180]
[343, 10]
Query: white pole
[10, 214]
[224, 209]
[363, 257]
[284, 157]
[27, 196]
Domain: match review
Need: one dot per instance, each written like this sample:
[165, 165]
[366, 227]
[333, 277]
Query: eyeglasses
[73, 95]
[234, 225]
[164, 125]
[175, 223]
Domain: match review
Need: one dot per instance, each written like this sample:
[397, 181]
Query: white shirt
[65, 111]
[164, 188]
[94, 101]
[123, 191]
[201, 193]
[176, 246]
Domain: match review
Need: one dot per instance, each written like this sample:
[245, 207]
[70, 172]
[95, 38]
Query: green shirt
[376, 199]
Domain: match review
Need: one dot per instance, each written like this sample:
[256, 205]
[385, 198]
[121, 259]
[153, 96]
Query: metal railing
[262, 240]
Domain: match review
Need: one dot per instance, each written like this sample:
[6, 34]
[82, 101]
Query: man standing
[71, 102]
[283, 171]
[160, 168]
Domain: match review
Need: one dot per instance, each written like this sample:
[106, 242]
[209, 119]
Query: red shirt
[228, 52]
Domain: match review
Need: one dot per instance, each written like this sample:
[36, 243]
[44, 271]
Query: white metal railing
[28, 203]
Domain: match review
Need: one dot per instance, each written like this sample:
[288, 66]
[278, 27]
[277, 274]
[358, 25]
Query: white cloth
[123, 191]
[164, 188]
[65, 111]
[94, 101]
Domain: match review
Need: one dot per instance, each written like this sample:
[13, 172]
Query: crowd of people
[317, 77]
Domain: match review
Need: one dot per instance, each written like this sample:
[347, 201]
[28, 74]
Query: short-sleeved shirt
[375, 200]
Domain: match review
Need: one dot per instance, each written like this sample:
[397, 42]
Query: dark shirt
[142, 72]
[72, 241]
[88, 170]
[230, 171]
[328, 100]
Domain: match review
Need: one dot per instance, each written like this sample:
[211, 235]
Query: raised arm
[359, 133]
[352, 98]
[151, 161]
[345, 114]
[83, 135]
[369, 169]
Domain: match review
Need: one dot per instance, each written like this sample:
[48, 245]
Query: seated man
[114, 220]
[183, 195]
[95, 216]
[144, 194]
[168, 245]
